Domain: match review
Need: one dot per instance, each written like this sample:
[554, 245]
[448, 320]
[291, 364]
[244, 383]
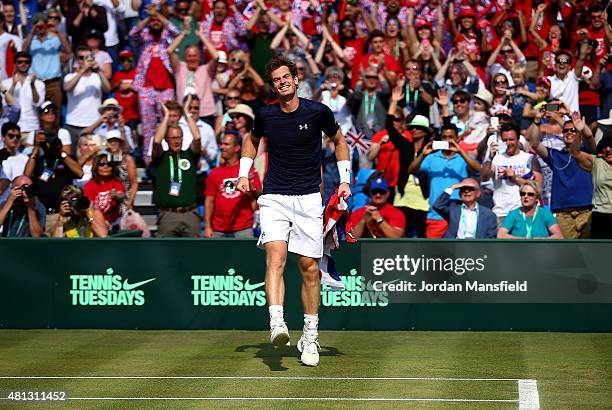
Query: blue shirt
[517, 223]
[17, 225]
[46, 57]
[294, 146]
[572, 187]
[443, 173]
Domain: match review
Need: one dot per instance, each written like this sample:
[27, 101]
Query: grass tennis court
[239, 369]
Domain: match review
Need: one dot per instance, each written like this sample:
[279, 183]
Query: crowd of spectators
[466, 118]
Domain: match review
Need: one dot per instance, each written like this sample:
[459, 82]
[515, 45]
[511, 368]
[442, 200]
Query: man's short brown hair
[277, 63]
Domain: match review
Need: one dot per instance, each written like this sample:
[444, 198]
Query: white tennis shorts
[295, 219]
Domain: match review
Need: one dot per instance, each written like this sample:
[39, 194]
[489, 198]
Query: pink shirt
[199, 79]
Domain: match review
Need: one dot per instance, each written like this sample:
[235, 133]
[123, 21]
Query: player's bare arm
[344, 164]
[249, 150]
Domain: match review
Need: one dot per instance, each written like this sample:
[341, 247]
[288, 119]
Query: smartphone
[440, 145]
[551, 107]
[90, 57]
[117, 157]
[495, 122]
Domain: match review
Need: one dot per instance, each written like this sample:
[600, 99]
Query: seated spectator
[444, 167]
[12, 162]
[51, 170]
[89, 146]
[48, 121]
[126, 167]
[229, 212]
[230, 100]
[175, 182]
[76, 218]
[466, 218]
[378, 219]
[104, 190]
[529, 221]
[22, 215]
[84, 88]
[111, 119]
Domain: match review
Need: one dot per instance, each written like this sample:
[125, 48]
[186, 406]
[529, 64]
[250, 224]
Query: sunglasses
[379, 191]
[54, 18]
[231, 98]
[82, 57]
[563, 60]
[12, 136]
[236, 60]
[398, 119]
[506, 52]
[459, 100]
[531, 194]
[23, 62]
[501, 81]
[567, 130]
[467, 189]
[412, 68]
[126, 59]
[371, 77]
[104, 164]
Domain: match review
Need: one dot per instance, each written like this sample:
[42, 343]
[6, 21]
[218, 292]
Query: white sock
[276, 311]
[311, 323]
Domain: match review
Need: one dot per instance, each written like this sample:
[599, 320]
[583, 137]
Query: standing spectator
[125, 93]
[9, 43]
[229, 212]
[329, 93]
[384, 63]
[95, 42]
[84, 16]
[564, 83]
[418, 94]
[105, 191]
[530, 221]
[378, 219]
[45, 47]
[367, 102]
[259, 37]
[12, 162]
[51, 170]
[467, 219]
[10, 17]
[22, 215]
[84, 89]
[195, 78]
[47, 120]
[115, 10]
[111, 119]
[509, 170]
[10, 111]
[27, 90]
[182, 9]
[223, 30]
[511, 55]
[230, 100]
[601, 227]
[154, 81]
[175, 182]
[572, 186]
[444, 167]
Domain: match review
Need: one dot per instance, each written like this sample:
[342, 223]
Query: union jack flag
[357, 140]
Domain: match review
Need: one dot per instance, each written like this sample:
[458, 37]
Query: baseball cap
[222, 57]
[113, 135]
[93, 33]
[47, 106]
[379, 183]
[40, 17]
[126, 54]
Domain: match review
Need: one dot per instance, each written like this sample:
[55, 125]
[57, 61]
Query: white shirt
[14, 166]
[28, 120]
[566, 90]
[340, 109]
[103, 129]
[111, 37]
[5, 39]
[84, 100]
[62, 134]
[505, 191]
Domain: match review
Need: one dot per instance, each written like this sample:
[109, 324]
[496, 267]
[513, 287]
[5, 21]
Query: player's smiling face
[285, 85]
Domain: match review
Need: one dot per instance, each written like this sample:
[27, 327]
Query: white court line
[295, 398]
[529, 398]
[263, 378]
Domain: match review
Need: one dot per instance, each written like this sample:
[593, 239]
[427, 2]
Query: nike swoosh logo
[130, 286]
[248, 286]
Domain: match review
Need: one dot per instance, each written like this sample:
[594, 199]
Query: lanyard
[369, 105]
[180, 172]
[414, 99]
[529, 227]
[190, 78]
[54, 164]
[11, 224]
[463, 222]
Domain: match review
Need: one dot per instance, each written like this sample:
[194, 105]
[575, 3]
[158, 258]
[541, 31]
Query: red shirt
[100, 196]
[391, 214]
[388, 157]
[586, 96]
[232, 211]
[390, 62]
[127, 99]
[157, 76]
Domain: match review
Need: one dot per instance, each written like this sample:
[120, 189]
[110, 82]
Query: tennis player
[291, 211]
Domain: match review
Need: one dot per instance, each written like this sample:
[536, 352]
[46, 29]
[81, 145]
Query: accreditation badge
[46, 175]
[175, 189]
[184, 164]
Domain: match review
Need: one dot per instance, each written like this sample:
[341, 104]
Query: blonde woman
[89, 145]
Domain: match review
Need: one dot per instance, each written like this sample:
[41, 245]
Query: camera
[79, 203]
[90, 57]
[551, 107]
[29, 190]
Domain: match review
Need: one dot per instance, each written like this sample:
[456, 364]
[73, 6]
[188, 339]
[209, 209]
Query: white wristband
[344, 168]
[245, 166]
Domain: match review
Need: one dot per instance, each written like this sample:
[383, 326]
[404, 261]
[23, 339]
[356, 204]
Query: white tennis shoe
[279, 334]
[309, 346]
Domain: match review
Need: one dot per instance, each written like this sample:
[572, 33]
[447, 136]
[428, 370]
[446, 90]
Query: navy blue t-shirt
[294, 146]
[572, 186]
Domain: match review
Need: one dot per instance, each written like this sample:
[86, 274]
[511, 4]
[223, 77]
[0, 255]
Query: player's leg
[311, 298]
[276, 258]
